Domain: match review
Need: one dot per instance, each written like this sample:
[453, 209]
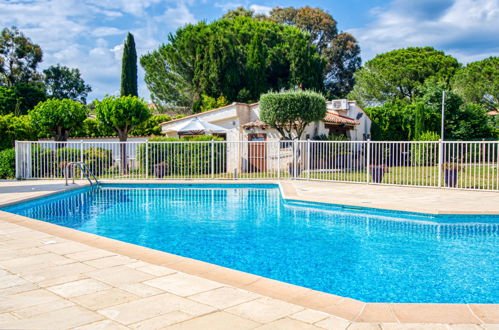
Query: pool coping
[347, 308]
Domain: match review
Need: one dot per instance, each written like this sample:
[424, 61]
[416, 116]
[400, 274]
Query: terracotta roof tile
[334, 117]
[255, 124]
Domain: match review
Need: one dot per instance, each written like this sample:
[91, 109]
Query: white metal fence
[461, 165]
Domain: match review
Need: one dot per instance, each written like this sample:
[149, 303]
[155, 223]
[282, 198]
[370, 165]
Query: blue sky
[88, 34]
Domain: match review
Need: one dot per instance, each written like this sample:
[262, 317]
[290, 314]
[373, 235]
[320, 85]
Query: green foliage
[129, 68]
[122, 114]
[429, 136]
[289, 112]
[46, 162]
[425, 154]
[478, 82]
[20, 98]
[400, 74]
[179, 159]
[398, 120]
[463, 121]
[239, 12]
[91, 127]
[58, 117]
[62, 82]
[320, 26]
[209, 102]
[343, 60]
[225, 57]
[324, 137]
[341, 52]
[469, 122]
[99, 160]
[7, 100]
[150, 126]
[7, 163]
[15, 128]
[392, 121]
[19, 58]
[27, 97]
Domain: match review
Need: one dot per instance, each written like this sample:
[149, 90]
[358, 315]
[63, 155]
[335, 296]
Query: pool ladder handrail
[84, 169]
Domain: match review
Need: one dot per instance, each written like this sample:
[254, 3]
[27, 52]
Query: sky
[89, 34]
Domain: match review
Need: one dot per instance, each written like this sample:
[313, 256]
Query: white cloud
[226, 6]
[258, 9]
[178, 16]
[86, 33]
[467, 29]
[133, 7]
[106, 31]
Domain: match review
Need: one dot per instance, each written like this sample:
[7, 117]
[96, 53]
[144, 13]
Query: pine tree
[129, 68]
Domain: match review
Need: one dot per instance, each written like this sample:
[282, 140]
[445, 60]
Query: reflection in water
[367, 255]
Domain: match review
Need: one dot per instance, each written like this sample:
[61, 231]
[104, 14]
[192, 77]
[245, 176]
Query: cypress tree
[129, 68]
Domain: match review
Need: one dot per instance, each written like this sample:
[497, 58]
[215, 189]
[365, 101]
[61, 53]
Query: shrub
[425, 153]
[182, 158]
[122, 113]
[91, 127]
[14, 128]
[99, 160]
[58, 117]
[7, 164]
[46, 163]
[333, 155]
[151, 126]
[289, 112]
[324, 137]
[209, 102]
[42, 162]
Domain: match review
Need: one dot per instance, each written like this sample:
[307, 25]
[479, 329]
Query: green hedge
[185, 158]
[7, 164]
[425, 154]
[46, 162]
[15, 128]
[99, 160]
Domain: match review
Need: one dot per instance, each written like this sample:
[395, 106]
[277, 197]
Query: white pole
[443, 116]
[441, 146]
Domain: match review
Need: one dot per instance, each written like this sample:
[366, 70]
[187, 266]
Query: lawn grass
[470, 177]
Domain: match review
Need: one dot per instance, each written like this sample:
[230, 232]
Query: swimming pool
[365, 254]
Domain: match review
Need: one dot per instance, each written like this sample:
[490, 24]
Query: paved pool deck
[56, 277]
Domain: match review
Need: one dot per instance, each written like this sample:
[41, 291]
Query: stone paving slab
[154, 297]
[411, 199]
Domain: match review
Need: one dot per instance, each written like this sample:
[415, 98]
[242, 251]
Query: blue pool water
[366, 254]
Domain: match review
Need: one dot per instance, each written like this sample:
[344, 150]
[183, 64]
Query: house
[242, 122]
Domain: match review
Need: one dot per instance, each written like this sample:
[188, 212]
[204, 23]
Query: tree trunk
[61, 134]
[123, 136]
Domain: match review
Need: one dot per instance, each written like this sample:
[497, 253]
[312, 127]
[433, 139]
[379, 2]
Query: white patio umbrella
[198, 126]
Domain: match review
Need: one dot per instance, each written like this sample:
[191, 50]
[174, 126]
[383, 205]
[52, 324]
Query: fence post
[440, 161]
[81, 159]
[147, 159]
[295, 158]
[28, 148]
[17, 159]
[278, 159]
[368, 160]
[212, 159]
[308, 159]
